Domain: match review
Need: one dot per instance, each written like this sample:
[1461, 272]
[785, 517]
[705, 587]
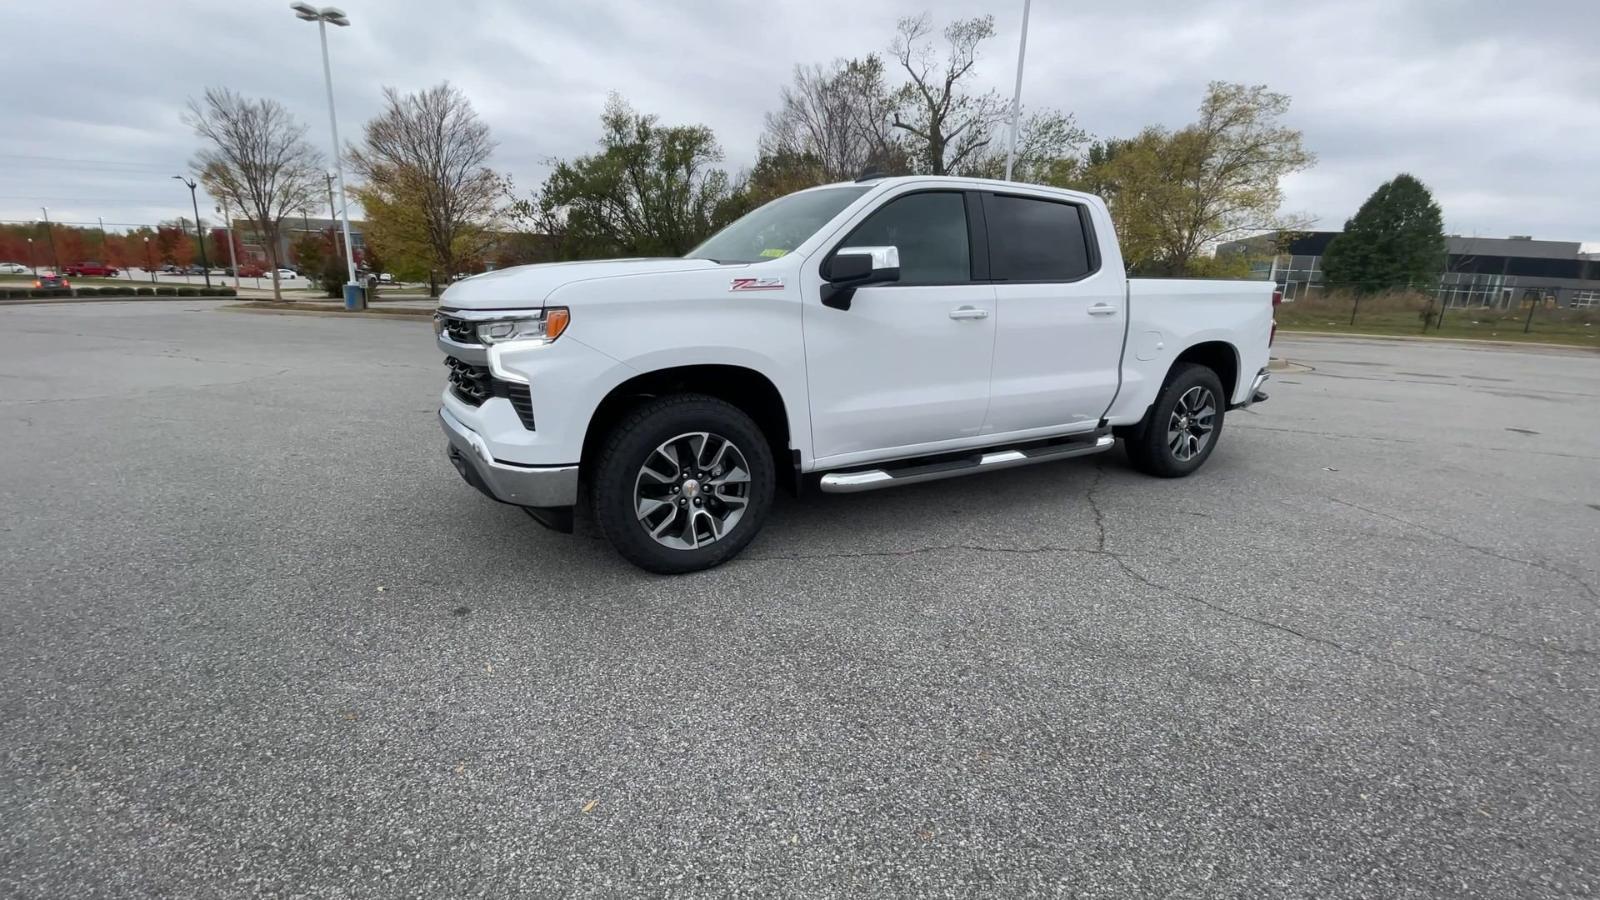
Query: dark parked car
[52, 281]
[194, 270]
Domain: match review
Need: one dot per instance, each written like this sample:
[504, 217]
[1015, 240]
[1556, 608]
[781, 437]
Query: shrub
[145, 292]
[166, 292]
[14, 293]
[89, 292]
[188, 292]
[227, 292]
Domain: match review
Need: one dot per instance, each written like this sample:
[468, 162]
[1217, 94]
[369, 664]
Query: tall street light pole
[149, 266]
[31, 263]
[331, 15]
[1016, 96]
[199, 235]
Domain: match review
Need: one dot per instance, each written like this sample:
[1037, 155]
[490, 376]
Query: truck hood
[524, 287]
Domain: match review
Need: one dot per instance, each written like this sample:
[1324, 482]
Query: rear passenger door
[1059, 328]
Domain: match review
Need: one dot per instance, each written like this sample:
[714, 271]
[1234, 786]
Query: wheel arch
[747, 389]
[1220, 357]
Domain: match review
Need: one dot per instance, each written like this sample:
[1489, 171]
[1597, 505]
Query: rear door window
[1031, 239]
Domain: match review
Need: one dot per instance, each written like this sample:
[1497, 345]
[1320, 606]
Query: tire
[1156, 447]
[676, 535]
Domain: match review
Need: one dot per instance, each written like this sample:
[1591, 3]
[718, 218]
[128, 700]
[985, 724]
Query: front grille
[461, 331]
[474, 384]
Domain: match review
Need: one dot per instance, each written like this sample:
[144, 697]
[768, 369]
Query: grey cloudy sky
[1494, 104]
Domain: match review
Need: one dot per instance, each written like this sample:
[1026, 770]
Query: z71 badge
[756, 284]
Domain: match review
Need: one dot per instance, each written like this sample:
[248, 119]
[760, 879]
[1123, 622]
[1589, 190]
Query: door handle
[969, 312]
[1102, 309]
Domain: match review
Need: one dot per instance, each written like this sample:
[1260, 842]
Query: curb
[1467, 342]
[327, 314]
[48, 300]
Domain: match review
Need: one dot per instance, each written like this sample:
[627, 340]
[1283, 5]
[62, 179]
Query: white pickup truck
[852, 336]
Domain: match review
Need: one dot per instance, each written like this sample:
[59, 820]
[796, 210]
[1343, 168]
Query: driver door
[906, 367]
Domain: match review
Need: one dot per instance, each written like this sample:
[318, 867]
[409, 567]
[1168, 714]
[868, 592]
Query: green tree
[1394, 240]
[1174, 194]
[652, 190]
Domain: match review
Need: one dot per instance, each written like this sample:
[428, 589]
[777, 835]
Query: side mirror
[854, 267]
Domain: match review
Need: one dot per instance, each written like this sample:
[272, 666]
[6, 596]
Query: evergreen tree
[1396, 239]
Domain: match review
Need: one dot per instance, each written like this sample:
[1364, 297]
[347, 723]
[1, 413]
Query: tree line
[435, 206]
[170, 243]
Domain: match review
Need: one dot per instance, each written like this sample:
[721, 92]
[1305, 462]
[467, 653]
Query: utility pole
[333, 213]
[227, 222]
[50, 236]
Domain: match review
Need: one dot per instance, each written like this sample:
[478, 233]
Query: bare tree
[951, 126]
[427, 155]
[838, 119]
[257, 161]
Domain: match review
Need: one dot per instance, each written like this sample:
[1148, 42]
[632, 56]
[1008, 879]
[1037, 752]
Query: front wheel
[1183, 425]
[683, 484]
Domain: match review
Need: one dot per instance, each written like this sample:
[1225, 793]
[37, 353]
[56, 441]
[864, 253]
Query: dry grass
[1403, 313]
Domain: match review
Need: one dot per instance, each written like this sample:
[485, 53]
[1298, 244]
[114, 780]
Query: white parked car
[851, 337]
[386, 278]
[284, 274]
[12, 268]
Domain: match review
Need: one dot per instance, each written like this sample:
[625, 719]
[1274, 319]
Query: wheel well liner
[1220, 357]
[744, 388]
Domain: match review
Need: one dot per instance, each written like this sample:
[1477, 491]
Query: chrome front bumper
[537, 486]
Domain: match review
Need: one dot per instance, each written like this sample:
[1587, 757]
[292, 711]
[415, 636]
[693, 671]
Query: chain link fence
[1535, 315]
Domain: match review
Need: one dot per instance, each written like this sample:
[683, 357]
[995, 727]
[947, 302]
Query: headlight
[543, 328]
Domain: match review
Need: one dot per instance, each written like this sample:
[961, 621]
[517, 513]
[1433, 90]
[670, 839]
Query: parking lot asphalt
[257, 638]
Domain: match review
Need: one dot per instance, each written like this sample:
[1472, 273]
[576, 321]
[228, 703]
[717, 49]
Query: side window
[930, 229]
[1034, 240]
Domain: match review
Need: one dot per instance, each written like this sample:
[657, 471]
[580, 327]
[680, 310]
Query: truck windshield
[778, 227]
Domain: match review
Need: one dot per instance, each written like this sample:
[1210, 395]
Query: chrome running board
[872, 479]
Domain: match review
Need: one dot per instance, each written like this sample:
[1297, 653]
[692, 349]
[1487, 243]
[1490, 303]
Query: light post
[31, 263]
[1016, 96]
[324, 17]
[199, 235]
[149, 266]
[50, 236]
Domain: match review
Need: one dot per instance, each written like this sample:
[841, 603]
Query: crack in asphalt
[1540, 564]
[1494, 635]
[1127, 569]
[1094, 505]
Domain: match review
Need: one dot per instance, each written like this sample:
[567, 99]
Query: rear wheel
[683, 484]
[1183, 425]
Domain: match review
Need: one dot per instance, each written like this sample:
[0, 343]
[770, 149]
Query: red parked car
[93, 270]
